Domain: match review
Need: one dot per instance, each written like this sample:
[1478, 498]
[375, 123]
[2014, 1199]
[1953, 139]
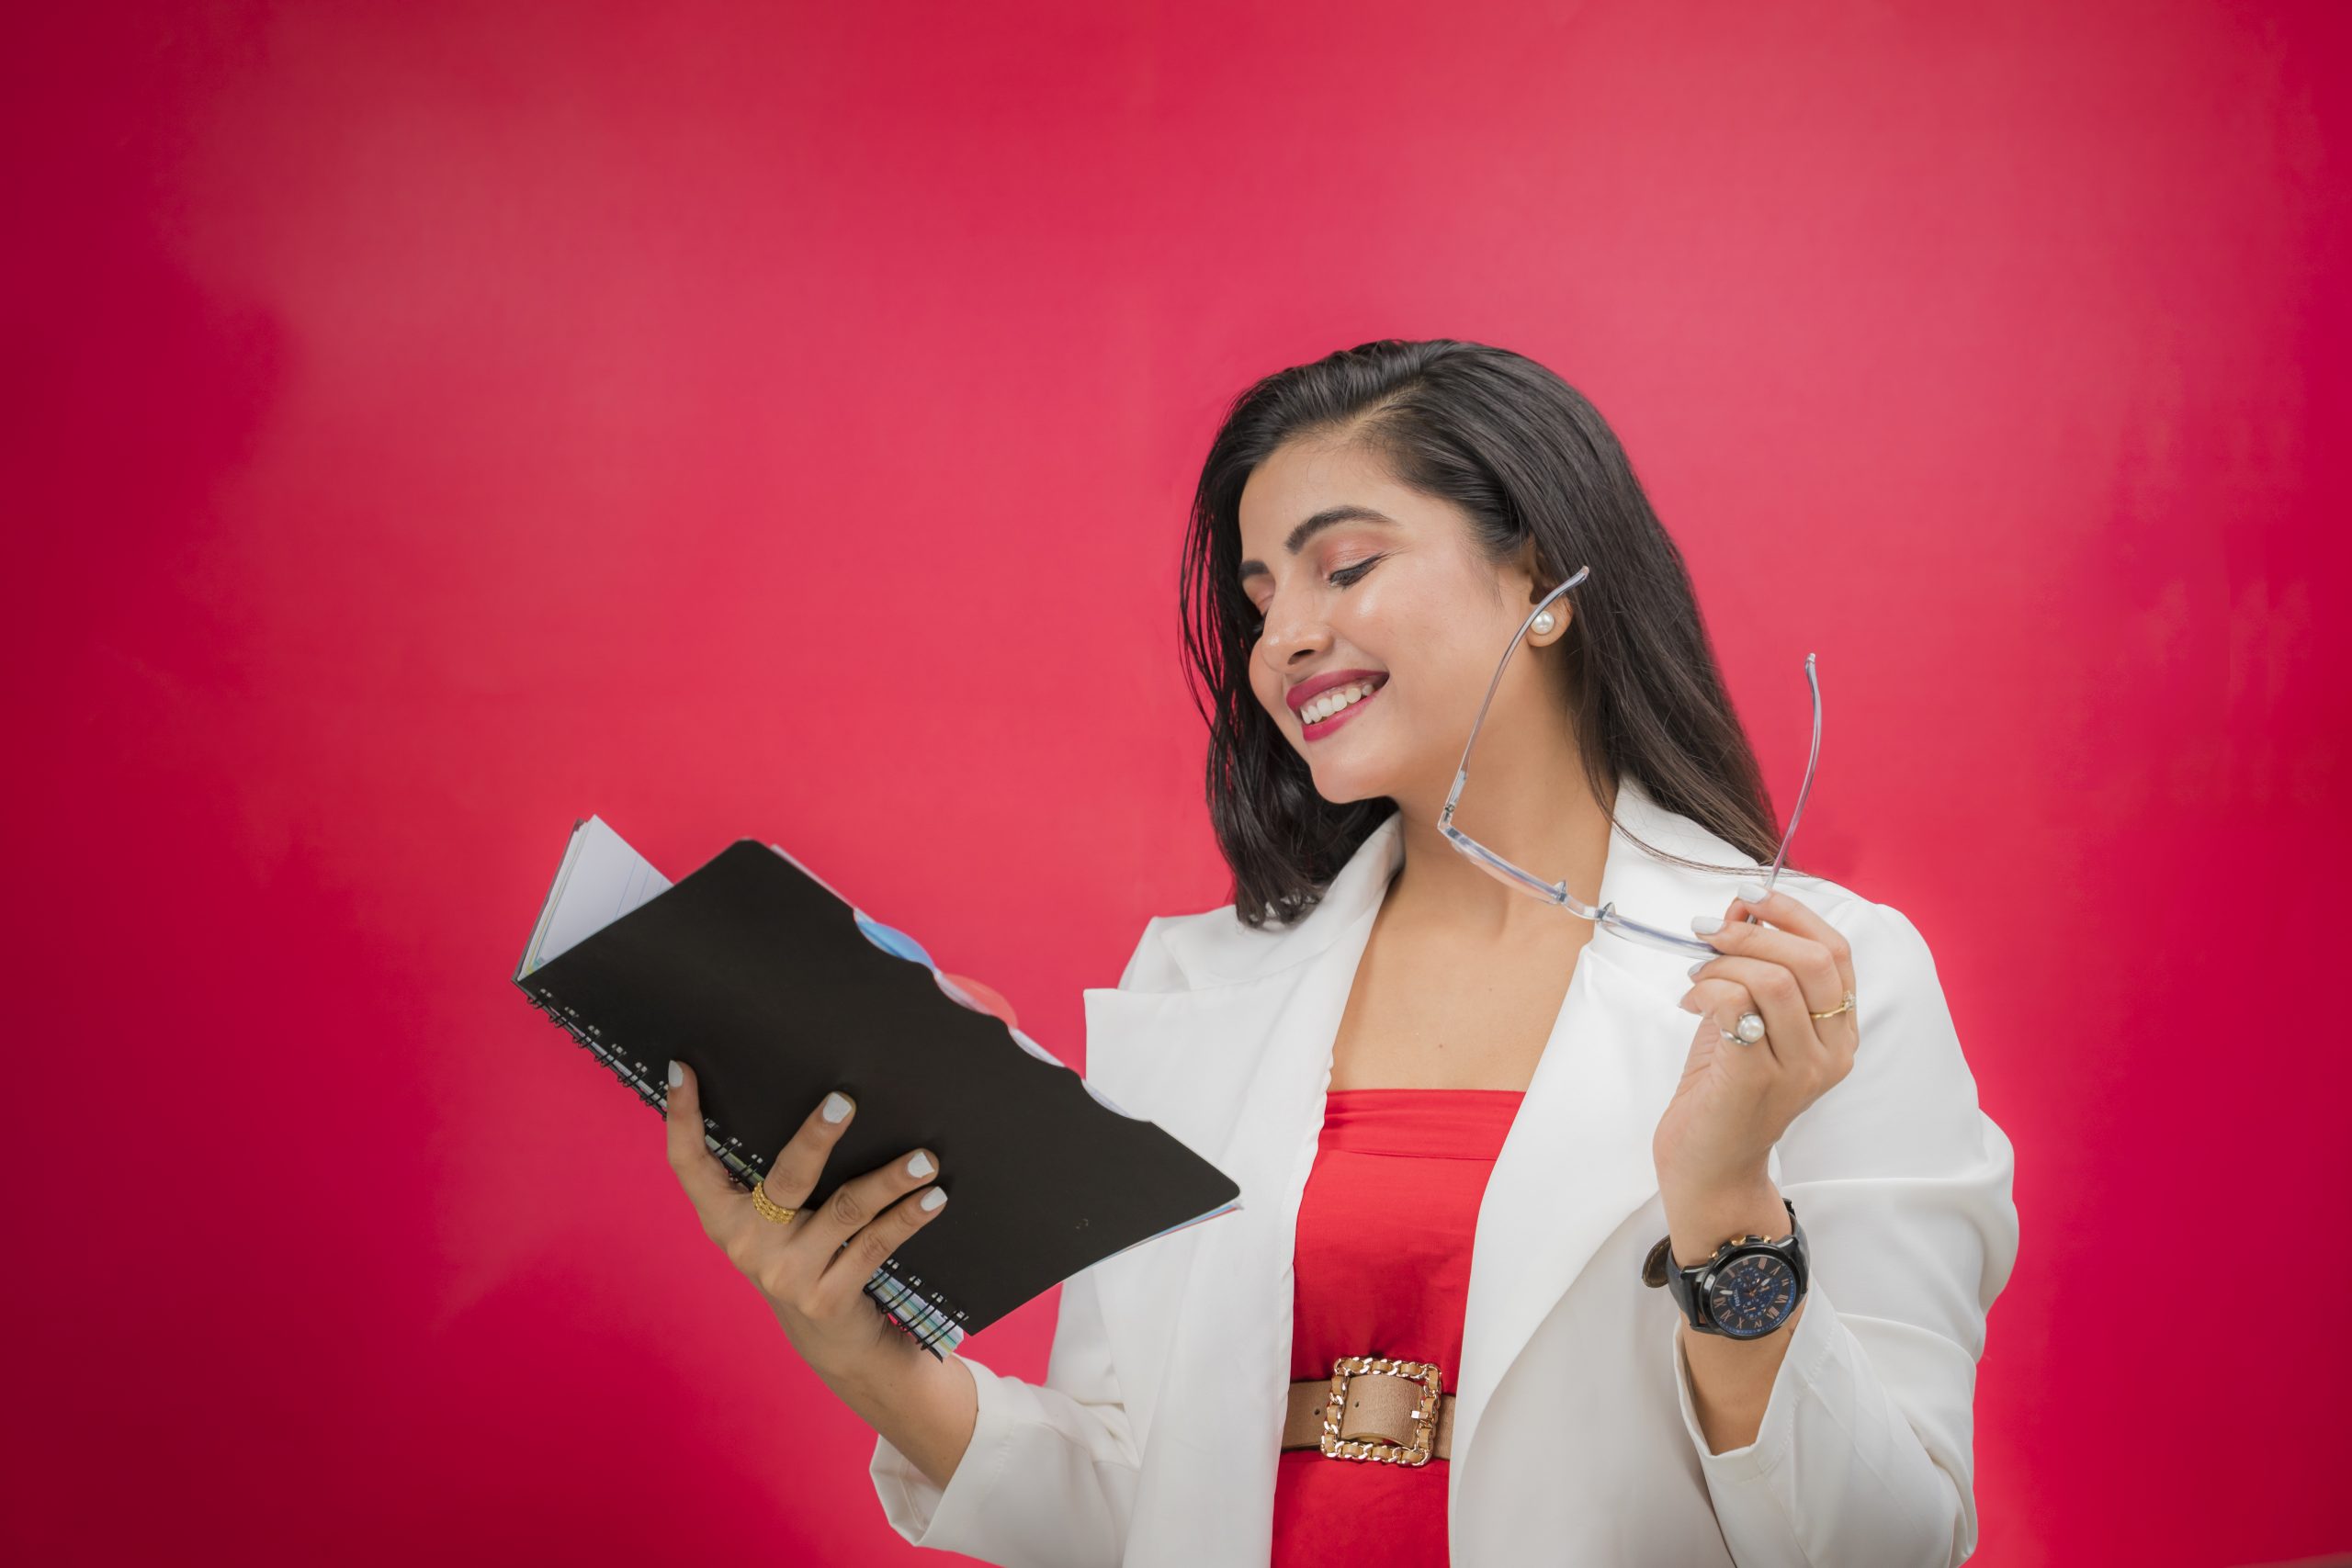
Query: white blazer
[1153, 1439]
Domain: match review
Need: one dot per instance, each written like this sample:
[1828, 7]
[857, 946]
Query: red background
[428, 422]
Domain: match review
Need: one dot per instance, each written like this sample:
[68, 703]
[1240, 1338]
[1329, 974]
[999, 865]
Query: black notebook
[775, 989]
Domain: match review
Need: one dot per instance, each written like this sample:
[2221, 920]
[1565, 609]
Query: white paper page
[601, 880]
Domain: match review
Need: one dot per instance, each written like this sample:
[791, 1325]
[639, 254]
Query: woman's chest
[1421, 1015]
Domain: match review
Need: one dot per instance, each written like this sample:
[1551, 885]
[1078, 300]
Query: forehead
[1305, 477]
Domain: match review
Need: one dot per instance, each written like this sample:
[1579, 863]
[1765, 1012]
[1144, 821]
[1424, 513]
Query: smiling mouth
[1315, 729]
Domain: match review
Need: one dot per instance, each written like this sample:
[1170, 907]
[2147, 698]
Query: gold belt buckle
[1382, 1450]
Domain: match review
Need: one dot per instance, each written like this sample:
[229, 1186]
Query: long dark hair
[1529, 459]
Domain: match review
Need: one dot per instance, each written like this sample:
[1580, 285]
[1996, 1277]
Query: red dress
[1381, 1268]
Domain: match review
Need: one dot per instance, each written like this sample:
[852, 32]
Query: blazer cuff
[925, 1514]
[1810, 1344]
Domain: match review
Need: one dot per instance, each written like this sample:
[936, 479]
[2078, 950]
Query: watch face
[1752, 1294]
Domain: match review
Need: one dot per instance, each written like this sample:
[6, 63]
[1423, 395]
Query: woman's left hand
[1779, 960]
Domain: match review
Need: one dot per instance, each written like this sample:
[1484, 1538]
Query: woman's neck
[1545, 819]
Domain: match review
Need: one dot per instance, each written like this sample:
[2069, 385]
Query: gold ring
[767, 1207]
[1846, 1005]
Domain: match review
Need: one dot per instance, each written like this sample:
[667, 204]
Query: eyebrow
[1329, 517]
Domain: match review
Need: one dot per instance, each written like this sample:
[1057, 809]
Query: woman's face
[1394, 588]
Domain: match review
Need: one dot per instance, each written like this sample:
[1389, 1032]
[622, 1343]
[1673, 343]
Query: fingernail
[677, 1075]
[1752, 892]
[920, 1166]
[1693, 970]
[933, 1198]
[836, 1106]
[1706, 925]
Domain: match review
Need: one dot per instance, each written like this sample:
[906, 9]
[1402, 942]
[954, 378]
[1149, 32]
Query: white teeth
[1329, 703]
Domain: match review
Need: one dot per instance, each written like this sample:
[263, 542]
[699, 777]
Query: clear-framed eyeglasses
[1606, 917]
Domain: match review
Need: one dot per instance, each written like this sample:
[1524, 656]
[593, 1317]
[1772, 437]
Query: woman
[1528, 1269]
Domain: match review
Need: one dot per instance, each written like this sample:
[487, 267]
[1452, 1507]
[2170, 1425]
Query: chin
[1343, 783]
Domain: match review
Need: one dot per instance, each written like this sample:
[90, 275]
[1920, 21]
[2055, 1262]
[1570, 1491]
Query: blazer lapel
[1577, 1161]
[1235, 1065]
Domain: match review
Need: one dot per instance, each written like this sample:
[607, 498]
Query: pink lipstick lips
[1308, 690]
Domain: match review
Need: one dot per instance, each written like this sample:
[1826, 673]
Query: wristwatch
[1746, 1291]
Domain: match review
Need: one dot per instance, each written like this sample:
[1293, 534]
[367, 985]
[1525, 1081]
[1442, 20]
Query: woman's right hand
[813, 1268]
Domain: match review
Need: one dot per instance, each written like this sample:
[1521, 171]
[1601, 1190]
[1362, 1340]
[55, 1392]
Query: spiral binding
[918, 1311]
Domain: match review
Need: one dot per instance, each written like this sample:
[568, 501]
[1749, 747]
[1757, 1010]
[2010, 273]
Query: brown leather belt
[1372, 1408]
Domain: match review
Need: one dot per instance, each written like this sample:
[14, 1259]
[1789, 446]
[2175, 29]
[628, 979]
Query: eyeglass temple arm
[1805, 788]
[1463, 771]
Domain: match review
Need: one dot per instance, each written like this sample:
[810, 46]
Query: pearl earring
[1544, 621]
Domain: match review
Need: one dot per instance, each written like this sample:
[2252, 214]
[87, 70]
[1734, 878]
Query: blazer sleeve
[1864, 1459]
[1048, 1479]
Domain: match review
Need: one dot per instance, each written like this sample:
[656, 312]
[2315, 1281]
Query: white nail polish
[1706, 925]
[1752, 892]
[1693, 970]
[836, 1106]
[677, 1076]
[920, 1166]
[933, 1198]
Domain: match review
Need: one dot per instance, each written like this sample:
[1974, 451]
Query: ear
[1523, 577]
[1530, 579]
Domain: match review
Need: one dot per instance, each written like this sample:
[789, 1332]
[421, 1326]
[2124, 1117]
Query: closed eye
[1346, 577]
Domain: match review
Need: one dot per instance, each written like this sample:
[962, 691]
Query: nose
[1289, 638]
